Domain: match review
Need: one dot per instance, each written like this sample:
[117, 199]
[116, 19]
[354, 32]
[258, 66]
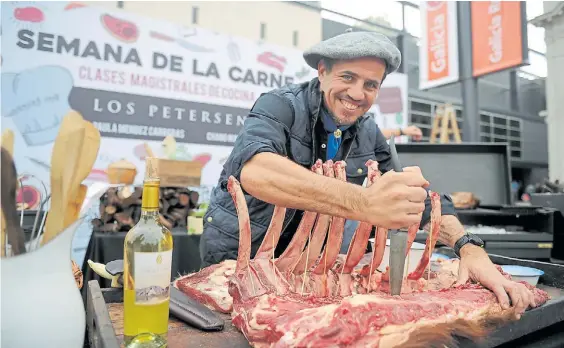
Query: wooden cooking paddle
[88, 155]
[70, 170]
[65, 159]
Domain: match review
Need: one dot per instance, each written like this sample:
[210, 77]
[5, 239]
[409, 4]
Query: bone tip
[372, 164]
[317, 165]
[340, 164]
[232, 182]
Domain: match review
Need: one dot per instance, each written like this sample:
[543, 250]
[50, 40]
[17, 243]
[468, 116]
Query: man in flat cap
[289, 128]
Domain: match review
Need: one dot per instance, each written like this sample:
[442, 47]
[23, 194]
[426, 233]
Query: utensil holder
[41, 303]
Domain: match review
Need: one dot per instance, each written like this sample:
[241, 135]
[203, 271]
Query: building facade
[552, 20]
[511, 102]
[282, 23]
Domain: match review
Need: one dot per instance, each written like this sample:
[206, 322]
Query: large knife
[398, 238]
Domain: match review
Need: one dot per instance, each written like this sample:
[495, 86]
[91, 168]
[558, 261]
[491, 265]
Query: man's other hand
[477, 266]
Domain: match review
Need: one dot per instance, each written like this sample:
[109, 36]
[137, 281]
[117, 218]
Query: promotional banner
[391, 107]
[139, 80]
[498, 30]
[438, 49]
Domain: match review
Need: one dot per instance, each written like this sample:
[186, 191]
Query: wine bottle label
[152, 274]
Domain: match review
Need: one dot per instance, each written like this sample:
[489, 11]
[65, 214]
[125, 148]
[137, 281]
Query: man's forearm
[388, 133]
[451, 230]
[279, 181]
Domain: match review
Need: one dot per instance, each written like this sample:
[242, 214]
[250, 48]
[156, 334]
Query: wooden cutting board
[181, 335]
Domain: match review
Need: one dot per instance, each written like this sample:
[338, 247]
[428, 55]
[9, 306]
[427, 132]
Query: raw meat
[209, 286]
[341, 300]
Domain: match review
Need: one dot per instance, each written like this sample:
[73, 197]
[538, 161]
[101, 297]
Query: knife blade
[398, 244]
[398, 238]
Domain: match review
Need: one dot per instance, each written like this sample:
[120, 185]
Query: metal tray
[481, 168]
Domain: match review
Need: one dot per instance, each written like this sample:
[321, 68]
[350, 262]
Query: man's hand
[413, 131]
[396, 199]
[477, 266]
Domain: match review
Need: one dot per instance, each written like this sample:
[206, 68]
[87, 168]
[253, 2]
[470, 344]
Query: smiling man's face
[350, 87]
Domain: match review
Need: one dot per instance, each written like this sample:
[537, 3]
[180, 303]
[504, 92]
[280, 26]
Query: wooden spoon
[88, 155]
[64, 162]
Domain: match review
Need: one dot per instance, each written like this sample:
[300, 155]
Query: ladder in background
[445, 125]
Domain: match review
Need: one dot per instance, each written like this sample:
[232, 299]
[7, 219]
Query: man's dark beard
[338, 122]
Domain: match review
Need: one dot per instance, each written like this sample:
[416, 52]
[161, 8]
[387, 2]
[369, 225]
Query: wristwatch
[467, 238]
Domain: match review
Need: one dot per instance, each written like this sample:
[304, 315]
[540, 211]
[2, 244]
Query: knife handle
[193, 313]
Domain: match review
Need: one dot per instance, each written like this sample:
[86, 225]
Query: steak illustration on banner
[120, 29]
[272, 60]
[29, 14]
[74, 5]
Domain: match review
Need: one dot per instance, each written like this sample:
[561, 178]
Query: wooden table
[181, 335]
[105, 325]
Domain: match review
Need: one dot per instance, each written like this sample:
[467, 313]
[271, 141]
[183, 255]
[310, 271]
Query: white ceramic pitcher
[41, 303]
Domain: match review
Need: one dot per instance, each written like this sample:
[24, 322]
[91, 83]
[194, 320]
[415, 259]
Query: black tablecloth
[105, 247]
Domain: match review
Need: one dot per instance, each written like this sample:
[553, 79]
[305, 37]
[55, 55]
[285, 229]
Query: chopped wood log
[97, 223]
[184, 199]
[124, 221]
[120, 209]
[110, 210]
[166, 223]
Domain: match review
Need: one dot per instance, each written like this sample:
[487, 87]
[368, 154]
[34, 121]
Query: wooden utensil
[16, 236]
[77, 192]
[8, 144]
[148, 150]
[65, 160]
[68, 170]
[8, 141]
[74, 206]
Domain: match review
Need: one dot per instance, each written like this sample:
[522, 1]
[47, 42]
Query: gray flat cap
[354, 45]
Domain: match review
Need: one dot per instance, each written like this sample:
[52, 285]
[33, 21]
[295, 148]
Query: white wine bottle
[147, 271]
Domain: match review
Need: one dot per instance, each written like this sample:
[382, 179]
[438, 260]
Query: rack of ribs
[311, 296]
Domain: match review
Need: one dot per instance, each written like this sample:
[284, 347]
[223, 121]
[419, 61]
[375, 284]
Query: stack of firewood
[120, 208]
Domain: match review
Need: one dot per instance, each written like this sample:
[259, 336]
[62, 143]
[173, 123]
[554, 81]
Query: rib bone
[335, 237]
[362, 233]
[313, 250]
[290, 257]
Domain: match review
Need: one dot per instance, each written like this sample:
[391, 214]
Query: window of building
[263, 30]
[195, 12]
[494, 128]
[295, 38]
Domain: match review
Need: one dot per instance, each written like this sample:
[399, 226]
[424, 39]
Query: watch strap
[462, 241]
[465, 239]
